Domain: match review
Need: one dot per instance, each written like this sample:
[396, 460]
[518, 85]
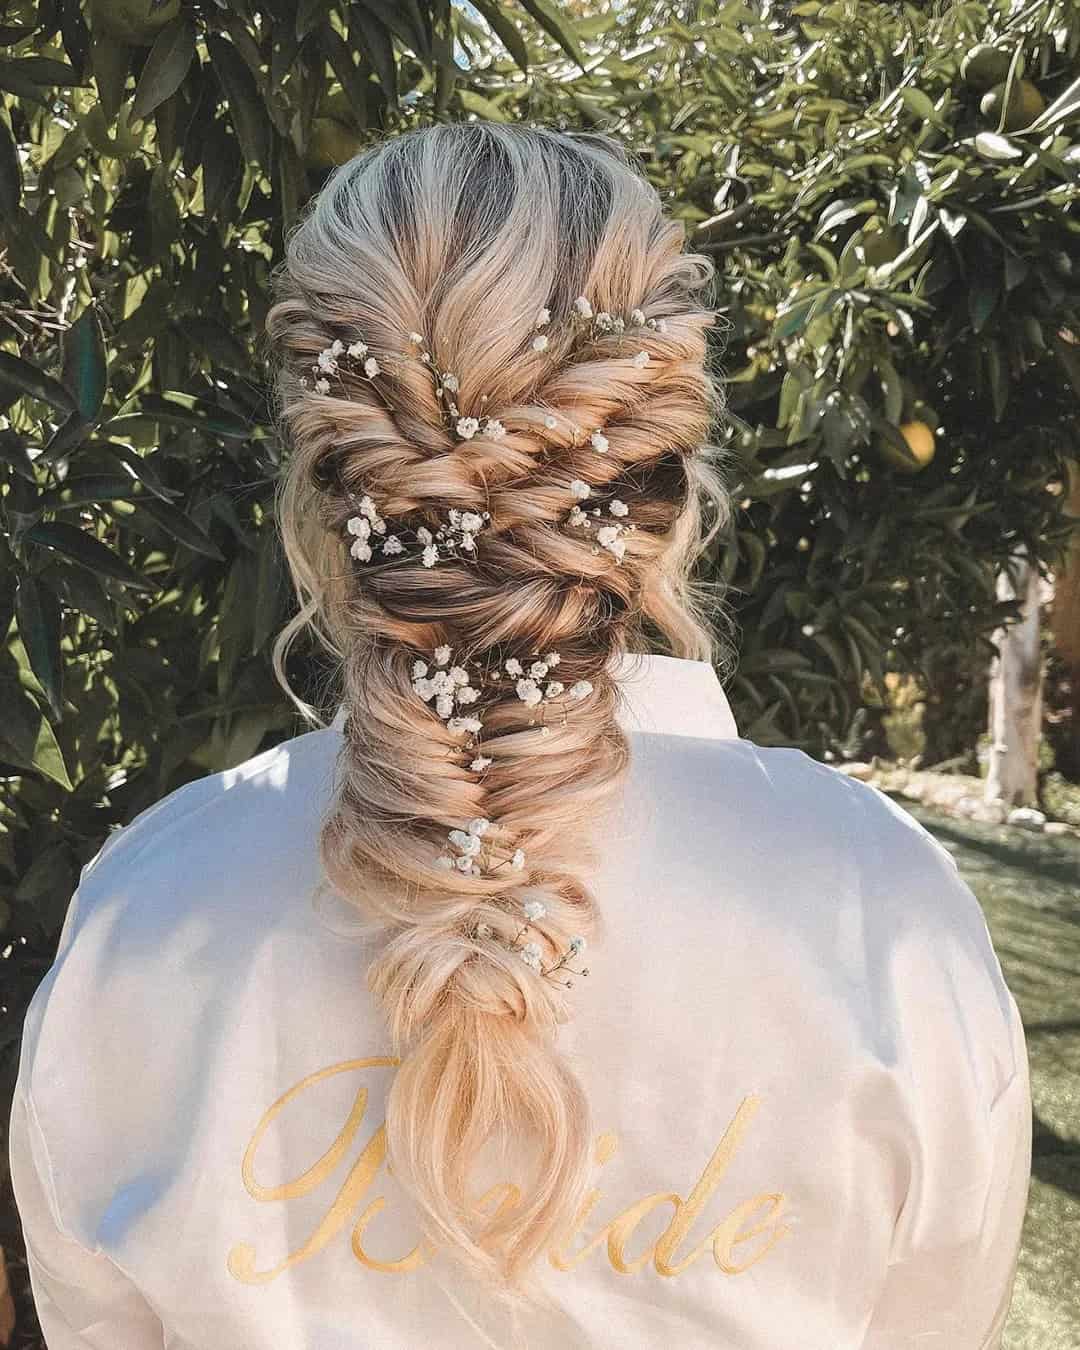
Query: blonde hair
[463, 233]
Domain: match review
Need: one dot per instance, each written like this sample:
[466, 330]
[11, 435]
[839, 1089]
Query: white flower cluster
[369, 533]
[329, 362]
[467, 846]
[450, 688]
[457, 535]
[528, 680]
[601, 322]
[609, 535]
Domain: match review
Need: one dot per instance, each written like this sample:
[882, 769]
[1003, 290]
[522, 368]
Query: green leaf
[992, 146]
[505, 30]
[48, 758]
[558, 26]
[83, 548]
[169, 60]
[85, 371]
[37, 614]
[22, 375]
[919, 103]
[181, 527]
[139, 466]
[86, 489]
[379, 49]
[482, 107]
[187, 411]
[10, 174]
[406, 22]
[892, 390]
[44, 71]
[246, 108]
[110, 61]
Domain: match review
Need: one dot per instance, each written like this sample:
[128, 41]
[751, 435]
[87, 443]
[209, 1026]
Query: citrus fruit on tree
[1025, 104]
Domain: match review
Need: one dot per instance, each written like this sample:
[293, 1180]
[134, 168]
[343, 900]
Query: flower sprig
[447, 386]
[455, 537]
[609, 535]
[530, 952]
[599, 323]
[330, 360]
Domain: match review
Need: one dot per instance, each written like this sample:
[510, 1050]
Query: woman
[525, 1004]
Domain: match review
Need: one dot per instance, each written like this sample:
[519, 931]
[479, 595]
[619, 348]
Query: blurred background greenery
[888, 191]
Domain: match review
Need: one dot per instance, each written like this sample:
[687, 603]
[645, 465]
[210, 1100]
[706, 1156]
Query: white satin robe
[808, 1078]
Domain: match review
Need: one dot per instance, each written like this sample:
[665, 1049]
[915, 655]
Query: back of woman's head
[491, 351]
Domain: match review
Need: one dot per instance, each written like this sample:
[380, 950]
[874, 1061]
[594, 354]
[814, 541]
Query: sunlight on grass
[1029, 888]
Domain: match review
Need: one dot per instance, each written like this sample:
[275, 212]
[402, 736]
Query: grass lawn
[1029, 887]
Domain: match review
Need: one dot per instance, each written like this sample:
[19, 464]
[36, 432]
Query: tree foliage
[888, 193]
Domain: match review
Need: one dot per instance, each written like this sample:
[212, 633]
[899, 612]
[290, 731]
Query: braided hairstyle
[439, 250]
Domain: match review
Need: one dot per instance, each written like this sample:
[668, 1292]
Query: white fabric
[794, 984]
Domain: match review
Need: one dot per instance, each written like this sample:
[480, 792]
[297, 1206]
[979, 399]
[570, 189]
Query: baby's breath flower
[529, 692]
[582, 307]
[517, 861]
[543, 318]
[598, 441]
[552, 658]
[468, 694]
[641, 360]
[618, 508]
[419, 669]
[582, 689]
[637, 316]
[534, 910]
[540, 344]
[530, 954]
[459, 675]
[580, 489]
[371, 368]
[357, 350]
[577, 944]
[467, 427]
[608, 536]
[444, 861]
[479, 825]
[578, 517]
[513, 666]
[361, 550]
[327, 362]
[480, 763]
[550, 423]
[424, 535]
[466, 841]
[553, 689]
[417, 339]
[322, 386]
[450, 382]
[538, 670]
[444, 706]
[494, 428]
[442, 655]
[461, 726]
[392, 544]
[430, 556]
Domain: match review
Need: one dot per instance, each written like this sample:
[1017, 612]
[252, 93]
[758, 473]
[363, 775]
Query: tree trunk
[1016, 692]
[1065, 622]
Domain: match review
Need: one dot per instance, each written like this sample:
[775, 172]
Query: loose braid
[462, 235]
